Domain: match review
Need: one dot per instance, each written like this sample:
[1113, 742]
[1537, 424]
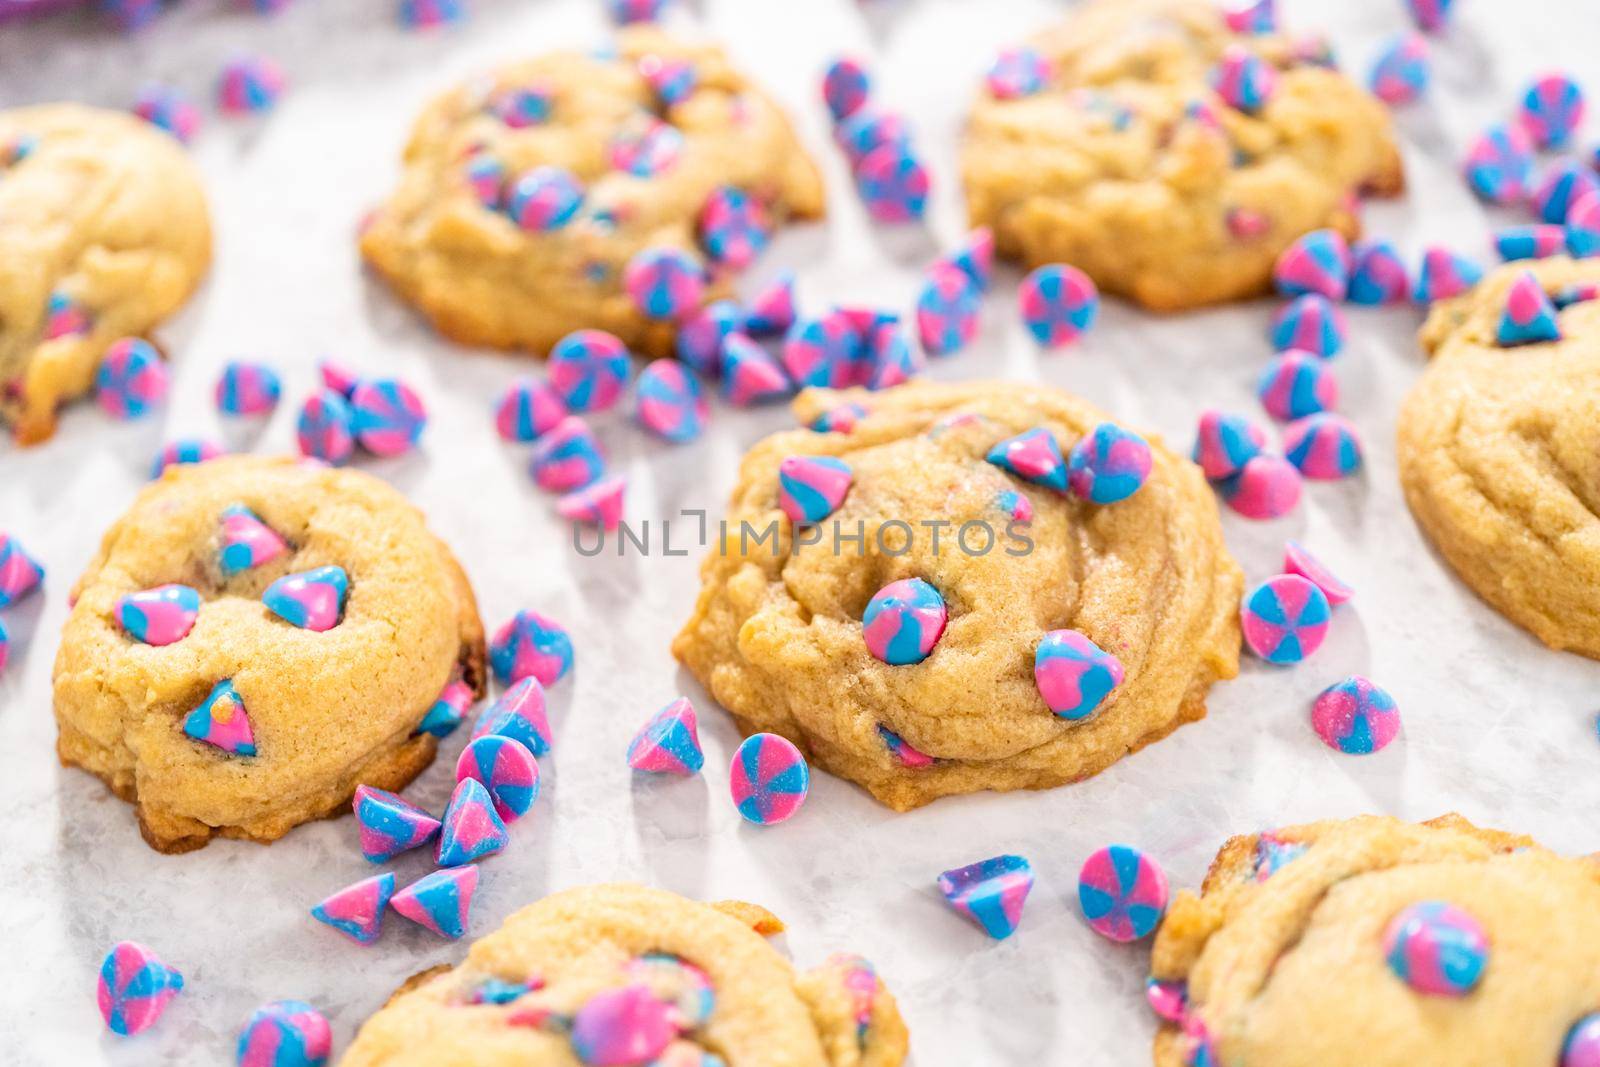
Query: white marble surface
[1495, 726]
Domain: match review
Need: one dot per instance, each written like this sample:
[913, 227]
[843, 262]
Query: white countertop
[1496, 727]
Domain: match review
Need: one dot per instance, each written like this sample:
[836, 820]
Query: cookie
[1446, 943]
[249, 724]
[1010, 647]
[107, 234]
[1499, 446]
[1171, 158]
[623, 974]
[494, 257]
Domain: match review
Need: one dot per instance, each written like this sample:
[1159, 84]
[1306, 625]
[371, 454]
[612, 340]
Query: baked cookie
[104, 232]
[1372, 942]
[1116, 155]
[255, 638]
[920, 661]
[1499, 447]
[629, 976]
[662, 146]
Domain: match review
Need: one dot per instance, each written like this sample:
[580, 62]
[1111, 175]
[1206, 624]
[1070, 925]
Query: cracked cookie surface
[104, 214]
[1109, 168]
[777, 634]
[328, 710]
[1283, 952]
[1499, 451]
[482, 279]
[521, 994]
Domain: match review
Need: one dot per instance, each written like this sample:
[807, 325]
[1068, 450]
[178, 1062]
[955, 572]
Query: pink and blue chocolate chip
[669, 402]
[1225, 443]
[669, 742]
[159, 616]
[990, 893]
[868, 130]
[325, 429]
[1266, 487]
[845, 87]
[544, 199]
[700, 336]
[134, 988]
[530, 645]
[599, 504]
[1583, 226]
[222, 721]
[1582, 1045]
[1297, 559]
[527, 410]
[1074, 675]
[647, 148]
[1324, 446]
[1400, 73]
[1552, 108]
[132, 379]
[749, 374]
[1437, 948]
[975, 257]
[734, 227]
[506, 769]
[893, 184]
[486, 177]
[312, 600]
[1297, 384]
[183, 451]
[431, 14]
[1017, 72]
[771, 309]
[769, 779]
[249, 84]
[588, 370]
[285, 1033]
[672, 80]
[248, 389]
[1355, 716]
[356, 911]
[1444, 274]
[390, 824]
[1243, 79]
[1284, 619]
[841, 418]
[947, 309]
[1535, 241]
[446, 712]
[905, 753]
[1317, 262]
[1430, 15]
[566, 457]
[1123, 893]
[1498, 163]
[1377, 274]
[471, 828]
[628, 1025]
[1562, 186]
[65, 317]
[166, 108]
[903, 621]
[245, 542]
[1058, 303]
[1108, 464]
[664, 283]
[386, 416]
[440, 902]
[1310, 323]
[1034, 456]
[810, 488]
[822, 351]
[1251, 16]
[890, 358]
[522, 106]
[1529, 316]
[519, 714]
